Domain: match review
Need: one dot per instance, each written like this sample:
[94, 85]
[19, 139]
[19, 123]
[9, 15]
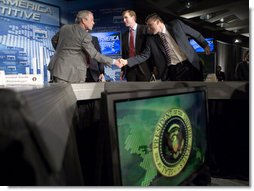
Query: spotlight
[188, 4]
[237, 40]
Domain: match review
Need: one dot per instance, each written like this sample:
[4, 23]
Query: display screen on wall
[110, 44]
[198, 48]
[25, 37]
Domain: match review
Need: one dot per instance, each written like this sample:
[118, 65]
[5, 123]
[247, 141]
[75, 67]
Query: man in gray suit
[169, 46]
[74, 46]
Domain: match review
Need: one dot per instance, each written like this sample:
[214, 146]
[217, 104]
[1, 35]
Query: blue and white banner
[110, 44]
[25, 37]
[30, 11]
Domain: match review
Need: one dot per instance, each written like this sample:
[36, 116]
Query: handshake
[120, 62]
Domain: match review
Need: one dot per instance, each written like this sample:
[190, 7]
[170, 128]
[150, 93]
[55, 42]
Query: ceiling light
[237, 40]
[188, 4]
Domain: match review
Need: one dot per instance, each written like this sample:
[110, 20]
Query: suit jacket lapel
[138, 37]
[126, 44]
[159, 43]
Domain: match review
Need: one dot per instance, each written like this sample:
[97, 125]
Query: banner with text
[25, 37]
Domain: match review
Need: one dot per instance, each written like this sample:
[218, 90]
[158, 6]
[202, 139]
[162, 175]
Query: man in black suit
[242, 68]
[139, 72]
[95, 71]
[169, 46]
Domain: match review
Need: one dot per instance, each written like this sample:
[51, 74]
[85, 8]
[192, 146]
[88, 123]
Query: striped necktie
[166, 46]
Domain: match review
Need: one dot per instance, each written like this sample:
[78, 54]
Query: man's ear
[82, 20]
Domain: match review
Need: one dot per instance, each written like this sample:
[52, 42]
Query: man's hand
[118, 63]
[102, 78]
[124, 62]
[207, 50]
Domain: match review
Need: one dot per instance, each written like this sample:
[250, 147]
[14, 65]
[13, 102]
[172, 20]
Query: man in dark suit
[169, 46]
[95, 71]
[139, 72]
[242, 68]
[220, 74]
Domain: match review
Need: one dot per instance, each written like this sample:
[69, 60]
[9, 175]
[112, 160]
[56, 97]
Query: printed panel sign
[30, 11]
[25, 41]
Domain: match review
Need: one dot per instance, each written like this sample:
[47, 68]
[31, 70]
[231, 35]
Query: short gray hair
[81, 15]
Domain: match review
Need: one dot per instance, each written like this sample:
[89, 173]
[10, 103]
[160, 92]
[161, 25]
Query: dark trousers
[183, 71]
[89, 77]
[134, 74]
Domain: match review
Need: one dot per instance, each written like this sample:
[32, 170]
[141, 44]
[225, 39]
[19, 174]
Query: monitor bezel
[108, 101]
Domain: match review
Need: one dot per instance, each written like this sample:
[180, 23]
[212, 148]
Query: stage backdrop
[25, 39]
[27, 27]
[108, 19]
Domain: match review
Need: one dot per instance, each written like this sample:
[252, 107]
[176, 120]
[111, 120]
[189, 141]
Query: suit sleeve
[93, 53]
[125, 49]
[142, 57]
[194, 34]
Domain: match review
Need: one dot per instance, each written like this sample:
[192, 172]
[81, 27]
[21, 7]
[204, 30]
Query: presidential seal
[172, 142]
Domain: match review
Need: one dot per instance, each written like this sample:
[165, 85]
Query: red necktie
[131, 45]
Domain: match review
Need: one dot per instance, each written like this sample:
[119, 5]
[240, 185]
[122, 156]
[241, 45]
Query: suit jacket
[141, 34]
[69, 62]
[95, 67]
[242, 71]
[154, 47]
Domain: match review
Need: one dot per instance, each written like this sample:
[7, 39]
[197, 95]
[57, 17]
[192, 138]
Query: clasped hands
[121, 62]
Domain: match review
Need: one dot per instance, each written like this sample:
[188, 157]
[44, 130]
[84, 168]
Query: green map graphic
[136, 144]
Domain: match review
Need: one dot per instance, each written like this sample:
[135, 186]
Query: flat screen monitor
[198, 48]
[110, 42]
[157, 137]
